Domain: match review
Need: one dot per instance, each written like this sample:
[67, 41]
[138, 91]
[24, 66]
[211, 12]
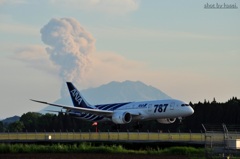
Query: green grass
[88, 148]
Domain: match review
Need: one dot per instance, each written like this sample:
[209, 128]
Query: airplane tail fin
[77, 99]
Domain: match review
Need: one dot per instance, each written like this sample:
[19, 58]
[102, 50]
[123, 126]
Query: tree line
[204, 113]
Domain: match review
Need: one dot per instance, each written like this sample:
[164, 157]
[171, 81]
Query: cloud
[70, 54]
[162, 34]
[69, 47]
[109, 66]
[36, 57]
[12, 2]
[111, 7]
[105, 66]
[20, 29]
[2, 1]
[116, 60]
[119, 7]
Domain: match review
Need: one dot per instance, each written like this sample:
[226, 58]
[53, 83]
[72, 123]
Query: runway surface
[196, 138]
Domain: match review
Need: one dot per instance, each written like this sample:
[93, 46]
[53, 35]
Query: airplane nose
[191, 111]
[188, 111]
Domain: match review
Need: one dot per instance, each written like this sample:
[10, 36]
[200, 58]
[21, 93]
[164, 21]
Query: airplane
[163, 111]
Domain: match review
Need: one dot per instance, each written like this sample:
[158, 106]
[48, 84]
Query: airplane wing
[98, 112]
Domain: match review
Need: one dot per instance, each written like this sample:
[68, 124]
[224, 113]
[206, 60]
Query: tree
[30, 121]
[214, 101]
[17, 126]
[45, 122]
[1, 126]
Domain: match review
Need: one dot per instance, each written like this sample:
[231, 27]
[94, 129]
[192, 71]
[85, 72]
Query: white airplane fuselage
[146, 110]
[157, 109]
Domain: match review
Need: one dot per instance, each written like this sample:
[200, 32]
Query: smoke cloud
[69, 47]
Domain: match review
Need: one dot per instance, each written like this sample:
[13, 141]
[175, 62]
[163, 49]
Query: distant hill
[115, 92]
[11, 120]
[126, 91]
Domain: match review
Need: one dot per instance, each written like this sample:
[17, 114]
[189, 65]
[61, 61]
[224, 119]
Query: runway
[143, 137]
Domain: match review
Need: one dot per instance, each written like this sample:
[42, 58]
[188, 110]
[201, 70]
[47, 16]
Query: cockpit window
[184, 105]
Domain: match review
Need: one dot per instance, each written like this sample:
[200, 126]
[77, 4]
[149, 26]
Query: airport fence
[226, 145]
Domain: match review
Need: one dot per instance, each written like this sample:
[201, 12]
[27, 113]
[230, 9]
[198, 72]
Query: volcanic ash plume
[69, 46]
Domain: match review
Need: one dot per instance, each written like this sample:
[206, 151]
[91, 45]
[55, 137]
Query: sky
[183, 48]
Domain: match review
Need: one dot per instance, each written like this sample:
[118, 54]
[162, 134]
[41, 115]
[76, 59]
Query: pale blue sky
[189, 52]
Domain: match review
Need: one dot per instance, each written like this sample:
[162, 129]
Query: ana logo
[76, 96]
[142, 105]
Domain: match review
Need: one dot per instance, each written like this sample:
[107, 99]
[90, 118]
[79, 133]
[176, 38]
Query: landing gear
[180, 120]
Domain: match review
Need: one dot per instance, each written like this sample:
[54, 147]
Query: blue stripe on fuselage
[111, 107]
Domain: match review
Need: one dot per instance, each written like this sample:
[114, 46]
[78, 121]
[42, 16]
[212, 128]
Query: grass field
[8, 150]
[89, 156]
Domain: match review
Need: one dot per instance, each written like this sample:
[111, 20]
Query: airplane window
[184, 105]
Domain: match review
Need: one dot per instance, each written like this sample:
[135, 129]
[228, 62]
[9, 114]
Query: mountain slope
[10, 120]
[126, 91]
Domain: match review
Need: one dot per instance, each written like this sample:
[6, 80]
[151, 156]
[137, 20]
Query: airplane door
[149, 107]
[172, 106]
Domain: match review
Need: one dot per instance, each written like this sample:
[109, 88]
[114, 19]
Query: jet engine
[166, 121]
[121, 117]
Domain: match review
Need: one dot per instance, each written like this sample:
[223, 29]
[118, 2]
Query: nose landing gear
[180, 120]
